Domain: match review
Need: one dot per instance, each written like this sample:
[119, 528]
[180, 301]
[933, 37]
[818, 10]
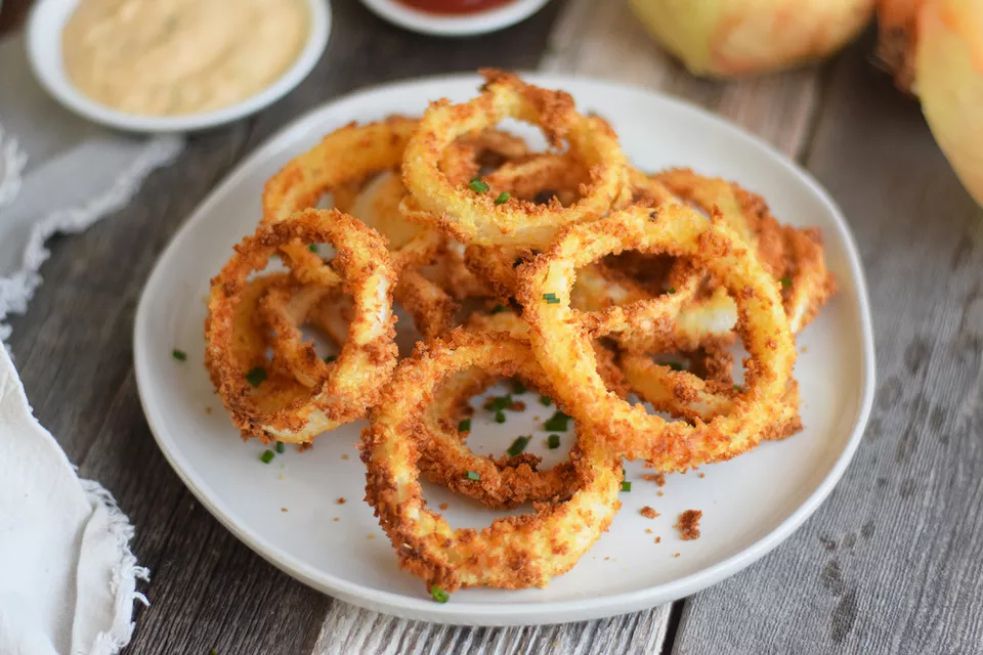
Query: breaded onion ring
[471, 214]
[561, 341]
[348, 156]
[366, 359]
[793, 256]
[513, 552]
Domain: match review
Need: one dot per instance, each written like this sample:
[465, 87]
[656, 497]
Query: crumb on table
[341, 500]
[648, 512]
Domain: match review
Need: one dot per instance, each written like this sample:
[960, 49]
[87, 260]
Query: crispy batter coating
[471, 214]
[366, 359]
[513, 552]
[559, 336]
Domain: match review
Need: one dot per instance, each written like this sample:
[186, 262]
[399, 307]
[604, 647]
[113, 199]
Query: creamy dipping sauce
[171, 57]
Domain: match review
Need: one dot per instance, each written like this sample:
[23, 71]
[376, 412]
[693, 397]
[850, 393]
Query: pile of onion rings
[620, 295]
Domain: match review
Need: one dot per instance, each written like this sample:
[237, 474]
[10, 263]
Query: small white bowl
[478, 22]
[44, 32]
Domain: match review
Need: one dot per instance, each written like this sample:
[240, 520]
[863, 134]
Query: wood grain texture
[349, 629]
[892, 562]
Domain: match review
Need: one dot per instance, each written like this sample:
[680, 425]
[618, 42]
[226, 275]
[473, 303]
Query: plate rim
[40, 38]
[517, 613]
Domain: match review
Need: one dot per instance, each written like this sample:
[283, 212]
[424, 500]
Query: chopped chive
[267, 456]
[464, 425]
[212, 652]
[498, 309]
[518, 446]
[671, 290]
[179, 355]
[557, 423]
[786, 282]
[546, 401]
[502, 198]
[518, 388]
[280, 447]
[675, 366]
[551, 298]
[478, 186]
[473, 475]
[738, 388]
[312, 247]
[330, 358]
[500, 417]
[439, 594]
[626, 485]
[256, 376]
[553, 441]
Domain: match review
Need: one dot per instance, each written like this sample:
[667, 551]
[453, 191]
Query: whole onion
[724, 38]
[934, 48]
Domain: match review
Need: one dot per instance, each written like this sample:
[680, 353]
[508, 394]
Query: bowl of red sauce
[454, 17]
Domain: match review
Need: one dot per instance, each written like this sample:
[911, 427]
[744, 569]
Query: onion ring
[560, 341]
[513, 552]
[348, 156]
[474, 217]
[367, 358]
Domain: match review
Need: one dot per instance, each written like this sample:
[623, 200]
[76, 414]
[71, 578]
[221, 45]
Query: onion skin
[729, 38]
[897, 27]
[949, 81]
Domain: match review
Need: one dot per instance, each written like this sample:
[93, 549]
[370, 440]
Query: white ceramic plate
[479, 22]
[44, 31]
[750, 504]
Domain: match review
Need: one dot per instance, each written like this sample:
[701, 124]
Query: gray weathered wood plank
[892, 562]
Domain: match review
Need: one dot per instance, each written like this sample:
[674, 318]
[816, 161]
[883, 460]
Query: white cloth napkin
[67, 576]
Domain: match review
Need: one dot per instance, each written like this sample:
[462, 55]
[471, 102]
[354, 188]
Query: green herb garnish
[312, 247]
[464, 425]
[626, 485]
[179, 355]
[256, 376]
[518, 388]
[671, 290]
[330, 358]
[267, 456]
[500, 417]
[546, 401]
[557, 423]
[477, 185]
[675, 366]
[473, 475]
[497, 309]
[551, 298]
[518, 446]
[786, 282]
[439, 594]
[553, 441]
[280, 447]
[502, 198]
[498, 403]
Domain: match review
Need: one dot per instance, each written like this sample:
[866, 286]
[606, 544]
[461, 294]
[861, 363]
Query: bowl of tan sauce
[174, 65]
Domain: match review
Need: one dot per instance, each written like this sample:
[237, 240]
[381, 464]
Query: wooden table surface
[891, 563]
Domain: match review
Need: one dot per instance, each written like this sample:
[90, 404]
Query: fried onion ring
[513, 552]
[475, 217]
[560, 340]
[366, 359]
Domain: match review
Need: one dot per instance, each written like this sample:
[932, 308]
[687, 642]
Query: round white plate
[44, 30]
[479, 22]
[287, 511]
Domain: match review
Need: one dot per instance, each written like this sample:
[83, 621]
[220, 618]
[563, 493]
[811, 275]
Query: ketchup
[454, 6]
